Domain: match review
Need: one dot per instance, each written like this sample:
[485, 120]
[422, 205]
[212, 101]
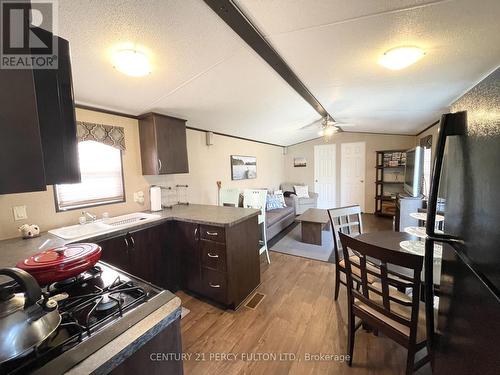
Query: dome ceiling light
[131, 62]
[401, 57]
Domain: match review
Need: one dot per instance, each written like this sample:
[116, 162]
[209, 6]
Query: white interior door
[352, 174]
[324, 175]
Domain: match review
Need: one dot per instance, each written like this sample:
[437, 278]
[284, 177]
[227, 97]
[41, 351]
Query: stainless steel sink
[81, 231]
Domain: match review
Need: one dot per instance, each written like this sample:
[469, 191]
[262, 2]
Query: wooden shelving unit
[389, 162]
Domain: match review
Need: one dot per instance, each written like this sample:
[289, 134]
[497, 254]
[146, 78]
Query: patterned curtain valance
[110, 135]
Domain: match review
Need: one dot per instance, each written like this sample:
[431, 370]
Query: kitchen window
[102, 178]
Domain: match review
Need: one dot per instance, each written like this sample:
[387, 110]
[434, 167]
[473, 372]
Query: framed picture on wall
[243, 167]
[299, 162]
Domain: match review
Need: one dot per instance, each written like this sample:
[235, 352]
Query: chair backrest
[378, 298]
[255, 198]
[346, 220]
[229, 197]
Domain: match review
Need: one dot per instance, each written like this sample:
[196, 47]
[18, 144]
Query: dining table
[391, 240]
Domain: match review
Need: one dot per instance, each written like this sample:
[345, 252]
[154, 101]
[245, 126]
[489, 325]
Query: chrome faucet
[88, 215]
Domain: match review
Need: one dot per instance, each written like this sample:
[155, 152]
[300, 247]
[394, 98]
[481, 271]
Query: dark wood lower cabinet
[159, 356]
[143, 253]
[219, 263]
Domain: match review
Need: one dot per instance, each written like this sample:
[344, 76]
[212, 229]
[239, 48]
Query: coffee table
[313, 221]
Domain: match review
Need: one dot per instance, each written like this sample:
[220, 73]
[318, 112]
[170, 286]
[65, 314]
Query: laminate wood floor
[297, 318]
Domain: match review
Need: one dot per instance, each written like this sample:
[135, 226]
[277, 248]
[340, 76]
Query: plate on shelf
[418, 248]
[419, 231]
[423, 216]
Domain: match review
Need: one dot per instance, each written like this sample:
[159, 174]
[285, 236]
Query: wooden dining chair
[229, 197]
[257, 198]
[343, 220]
[380, 304]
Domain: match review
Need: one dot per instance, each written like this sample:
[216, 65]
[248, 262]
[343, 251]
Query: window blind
[102, 178]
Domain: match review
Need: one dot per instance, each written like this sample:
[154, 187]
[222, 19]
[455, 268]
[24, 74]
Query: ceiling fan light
[401, 57]
[329, 131]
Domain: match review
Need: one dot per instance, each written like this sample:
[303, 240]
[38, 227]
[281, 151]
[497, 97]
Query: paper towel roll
[155, 198]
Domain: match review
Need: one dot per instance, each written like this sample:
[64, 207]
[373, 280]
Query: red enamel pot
[61, 263]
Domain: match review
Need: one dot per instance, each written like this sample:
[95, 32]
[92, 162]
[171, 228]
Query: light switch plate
[19, 213]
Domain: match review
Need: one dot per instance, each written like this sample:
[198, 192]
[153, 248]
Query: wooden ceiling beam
[229, 12]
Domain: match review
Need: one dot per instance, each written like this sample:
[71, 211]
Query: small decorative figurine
[29, 230]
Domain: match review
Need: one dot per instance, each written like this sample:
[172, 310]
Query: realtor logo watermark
[28, 29]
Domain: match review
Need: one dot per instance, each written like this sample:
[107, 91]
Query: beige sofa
[300, 204]
[280, 218]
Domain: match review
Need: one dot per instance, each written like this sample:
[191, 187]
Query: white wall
[207, 164]
[374, 142]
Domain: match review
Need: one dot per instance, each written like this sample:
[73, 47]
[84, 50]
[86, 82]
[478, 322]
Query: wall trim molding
[128, 115]
[234, 136]
[427, 128]
[106, 111]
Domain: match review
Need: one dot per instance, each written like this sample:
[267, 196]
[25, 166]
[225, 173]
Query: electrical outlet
[19, 213]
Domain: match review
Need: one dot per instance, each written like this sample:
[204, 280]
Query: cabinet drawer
[213, 233]
[214, 285]
[213, 255]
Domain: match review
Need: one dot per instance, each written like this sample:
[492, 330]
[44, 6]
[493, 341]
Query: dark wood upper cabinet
[21, 158]
[38, 146]
[163, 144]
[56, 114]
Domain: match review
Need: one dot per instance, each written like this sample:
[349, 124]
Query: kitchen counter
[115, 352]
[138, 338]
[15, 249]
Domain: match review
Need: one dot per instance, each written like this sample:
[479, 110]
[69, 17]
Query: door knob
[361, 180]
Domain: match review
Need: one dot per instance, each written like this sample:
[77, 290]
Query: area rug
[291, 244]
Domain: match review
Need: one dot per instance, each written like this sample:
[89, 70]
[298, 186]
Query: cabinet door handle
[210, 255]
[132, 241]
[212, 233]
[195, 232]
[214, 285]
[159, 165]
[126, 243]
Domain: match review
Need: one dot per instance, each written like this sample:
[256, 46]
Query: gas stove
[95, 306]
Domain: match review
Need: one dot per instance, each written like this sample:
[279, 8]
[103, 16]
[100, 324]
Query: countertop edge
[119, 349]
[14, 250]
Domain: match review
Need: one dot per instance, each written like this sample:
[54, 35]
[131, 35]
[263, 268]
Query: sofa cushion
[302, 191]
[281, 197]
[273, 202]
[273, 216]
[307, 201]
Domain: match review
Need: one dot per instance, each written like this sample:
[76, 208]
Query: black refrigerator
[466, 181]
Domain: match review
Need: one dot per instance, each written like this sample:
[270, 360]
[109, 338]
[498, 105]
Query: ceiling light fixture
[131, 62]
[401, 57]
[328, 128]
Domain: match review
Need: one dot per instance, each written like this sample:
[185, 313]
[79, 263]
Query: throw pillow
[302, 191]
[281, 197]
[272, 203]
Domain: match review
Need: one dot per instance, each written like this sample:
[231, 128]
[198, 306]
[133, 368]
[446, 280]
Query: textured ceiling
[203, 72]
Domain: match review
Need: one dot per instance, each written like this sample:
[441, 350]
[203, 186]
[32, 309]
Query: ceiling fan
[327, 126]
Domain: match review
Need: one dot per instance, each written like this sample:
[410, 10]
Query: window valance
[109, 135]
